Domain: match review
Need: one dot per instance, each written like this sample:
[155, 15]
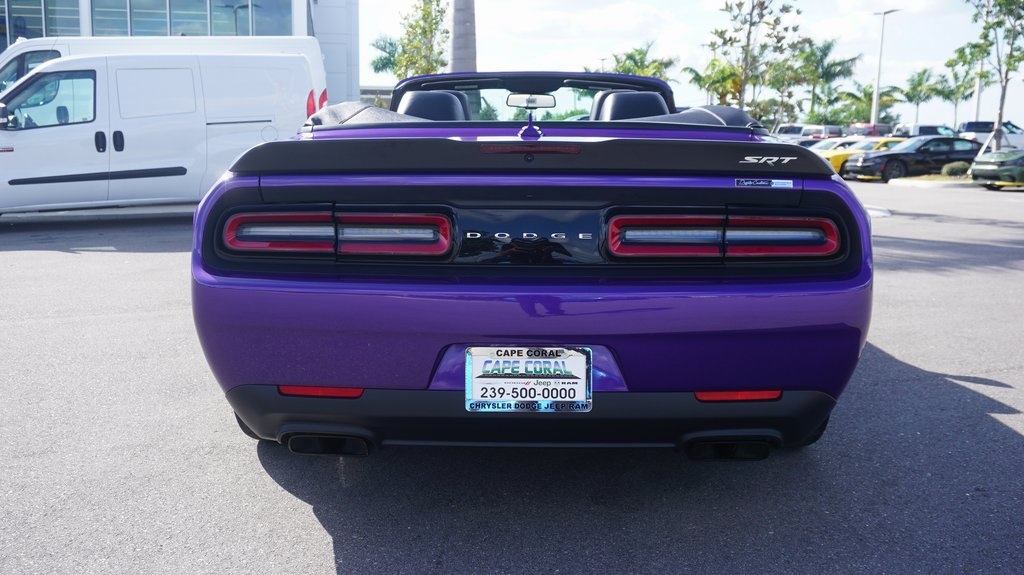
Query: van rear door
[158, 129]
[54, 152]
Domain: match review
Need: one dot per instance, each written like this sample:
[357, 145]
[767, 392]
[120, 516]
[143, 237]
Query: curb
[916, 183]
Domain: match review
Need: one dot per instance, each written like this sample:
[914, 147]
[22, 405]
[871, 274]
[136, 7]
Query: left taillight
[393, 234]
[340, 234]
[311, 103]
[703, 236]
[288, 232]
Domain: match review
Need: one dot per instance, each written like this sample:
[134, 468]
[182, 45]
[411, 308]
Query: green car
[999, 169]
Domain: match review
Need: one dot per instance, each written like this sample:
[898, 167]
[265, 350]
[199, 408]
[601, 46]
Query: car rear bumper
[403, 417]
[646, 338]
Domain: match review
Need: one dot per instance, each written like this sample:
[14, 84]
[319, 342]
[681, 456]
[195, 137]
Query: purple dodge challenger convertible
[460, 269]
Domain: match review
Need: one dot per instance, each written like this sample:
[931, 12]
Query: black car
[916, 156]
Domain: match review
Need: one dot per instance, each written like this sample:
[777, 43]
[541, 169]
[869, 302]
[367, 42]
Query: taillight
[718, 236]
[349, 233]
[755, 395]
[323, 98]
[393, 234]
[665, 236]
[760, 236]
[311, 391]
[304, 232]
[311, 104]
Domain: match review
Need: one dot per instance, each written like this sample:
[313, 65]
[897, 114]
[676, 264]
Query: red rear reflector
[665, 236]
[280, 232]
[311, 391]
[760, 395]
[393, 234]
[323, 98]
[311, 104]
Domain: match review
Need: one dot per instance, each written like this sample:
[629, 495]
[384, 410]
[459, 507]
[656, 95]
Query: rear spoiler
[437, 155]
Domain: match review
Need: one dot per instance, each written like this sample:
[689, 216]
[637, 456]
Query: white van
[99, 131]
[24, 55]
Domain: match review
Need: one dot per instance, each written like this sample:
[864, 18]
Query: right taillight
[703, 236]
[760, 236]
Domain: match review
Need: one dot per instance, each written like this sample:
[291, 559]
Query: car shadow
[915, 471]
[160, 230]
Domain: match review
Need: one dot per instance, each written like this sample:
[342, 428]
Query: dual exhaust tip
[704, 448]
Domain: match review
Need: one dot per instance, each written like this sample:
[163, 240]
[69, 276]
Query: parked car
[1013, 135]
[914, 130]
[103, 131]
[840, 155]
[673, 279]
[913, 157]
[833, 144]
[999, 170]
[808, 134]
[866, 129]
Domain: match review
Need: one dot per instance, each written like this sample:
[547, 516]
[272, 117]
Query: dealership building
[335, 23]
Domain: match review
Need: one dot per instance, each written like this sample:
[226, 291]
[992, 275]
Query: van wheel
[894, 169]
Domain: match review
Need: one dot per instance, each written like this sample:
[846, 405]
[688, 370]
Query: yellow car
[838, 156]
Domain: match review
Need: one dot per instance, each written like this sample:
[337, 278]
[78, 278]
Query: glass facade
[61, 17]
[36, 18]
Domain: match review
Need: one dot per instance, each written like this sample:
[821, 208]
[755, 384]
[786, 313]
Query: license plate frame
[529, 379]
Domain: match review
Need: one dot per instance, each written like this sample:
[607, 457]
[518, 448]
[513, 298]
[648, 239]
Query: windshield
[909, 145]
[865, 145]
[789, 130]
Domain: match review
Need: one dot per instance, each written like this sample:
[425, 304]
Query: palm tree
[956, 88]
[719, 79]
[858, 102]
[639, 63]
[464, 46]
[921, 88]
[823, 71]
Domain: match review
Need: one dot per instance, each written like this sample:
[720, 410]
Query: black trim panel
[436, 155]
[95, 176]
[417, 417]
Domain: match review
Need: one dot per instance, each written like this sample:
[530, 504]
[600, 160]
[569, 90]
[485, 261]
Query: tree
[759, 34]
[829, 111]
[821, 70]
[921, 88]
[421, 48]
[957, 87]
[385, 62]
[858, 103]
[1001, 44]
[638, 62]
[719, 79]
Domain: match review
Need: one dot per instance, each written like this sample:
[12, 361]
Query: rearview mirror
[530, 101]
[3, 116]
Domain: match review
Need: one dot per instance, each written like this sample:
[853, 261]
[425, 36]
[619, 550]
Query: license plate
[528, 379]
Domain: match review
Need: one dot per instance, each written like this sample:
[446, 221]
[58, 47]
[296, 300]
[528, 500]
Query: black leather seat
[440, 105]
[622, 105]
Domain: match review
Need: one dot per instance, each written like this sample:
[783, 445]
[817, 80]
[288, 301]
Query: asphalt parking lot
[119, 454]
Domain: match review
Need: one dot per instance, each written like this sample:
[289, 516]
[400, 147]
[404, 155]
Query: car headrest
[625, 105]
[439, 105]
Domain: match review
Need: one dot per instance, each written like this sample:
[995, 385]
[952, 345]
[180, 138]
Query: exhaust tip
[739, 450]
[329, 445]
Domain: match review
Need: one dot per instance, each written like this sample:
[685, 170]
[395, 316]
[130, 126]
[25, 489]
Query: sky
[571, 34]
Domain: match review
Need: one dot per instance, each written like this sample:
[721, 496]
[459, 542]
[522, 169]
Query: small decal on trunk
[763, 183]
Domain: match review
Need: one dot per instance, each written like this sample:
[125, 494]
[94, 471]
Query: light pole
[878, 76]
